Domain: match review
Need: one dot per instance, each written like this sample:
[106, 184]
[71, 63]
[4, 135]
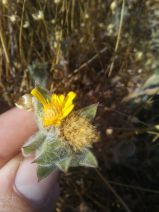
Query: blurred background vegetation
[106, 51]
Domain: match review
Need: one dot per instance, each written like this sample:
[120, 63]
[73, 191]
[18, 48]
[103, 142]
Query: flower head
[55, 108]
[79, 132]
[68, 143]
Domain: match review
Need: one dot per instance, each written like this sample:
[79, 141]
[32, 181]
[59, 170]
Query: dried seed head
[13, 18]
[26, 24]
[78, 132]
[5, 2]
[113, 6]
[38, 16]
[57, 1]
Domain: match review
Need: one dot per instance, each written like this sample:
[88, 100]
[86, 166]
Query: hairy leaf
[84, 158]
[33, 143]
[52, 133]
[51, 152]
[64, 164]
[38, 107]
[47, 156]
[89, 111]
[43, 91]
[44, 171]
[38, 113]
[88, 159]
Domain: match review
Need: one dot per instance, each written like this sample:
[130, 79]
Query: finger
[9, 201]
[3, 161]
[20, 190]
[15, 127]
[39, 194]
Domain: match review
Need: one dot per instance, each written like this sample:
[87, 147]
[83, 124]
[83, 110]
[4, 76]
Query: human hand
[20, 190]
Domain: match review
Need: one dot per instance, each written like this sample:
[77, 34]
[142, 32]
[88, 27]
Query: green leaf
[48, 154]
[52, 151]
[64, 164]
[38, 113]
[88, 159]
[39, 107]
[44, 171]
[33, 143]
[43, 91]
[52, 133]
[89, 111]
[84, 158]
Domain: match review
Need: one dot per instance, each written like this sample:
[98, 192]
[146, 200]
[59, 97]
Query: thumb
[20, 190]
[9, 201]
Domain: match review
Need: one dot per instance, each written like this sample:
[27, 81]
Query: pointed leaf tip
[43, 172]
[89, 111]
[51, 151]
[33, 143]
[64, 164]
[88, 159]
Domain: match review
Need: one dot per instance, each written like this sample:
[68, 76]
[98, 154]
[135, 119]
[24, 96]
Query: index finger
[16, 126]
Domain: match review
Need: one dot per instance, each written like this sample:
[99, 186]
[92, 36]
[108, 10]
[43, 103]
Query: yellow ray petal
[54, 121]
[57, 105]
[47, 122]
[61, 98]
[67, 110]
[39, 96]
[54, 98]
[69, 98]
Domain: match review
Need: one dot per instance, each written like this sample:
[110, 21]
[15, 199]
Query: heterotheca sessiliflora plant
[64, 136]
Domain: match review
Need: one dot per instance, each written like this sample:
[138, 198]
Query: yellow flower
[56, 108]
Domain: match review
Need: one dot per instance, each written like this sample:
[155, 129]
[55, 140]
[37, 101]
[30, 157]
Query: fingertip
[8, 172]
[16, 126]
[28, 186]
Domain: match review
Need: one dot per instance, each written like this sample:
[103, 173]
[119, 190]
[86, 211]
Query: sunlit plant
[64, 135]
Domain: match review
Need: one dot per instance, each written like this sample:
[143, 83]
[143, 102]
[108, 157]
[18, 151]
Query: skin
[15, 127]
